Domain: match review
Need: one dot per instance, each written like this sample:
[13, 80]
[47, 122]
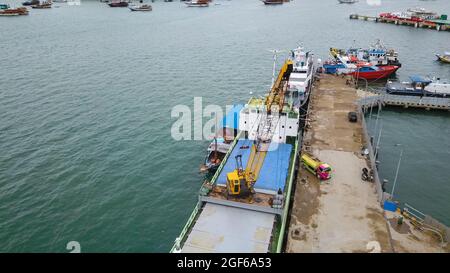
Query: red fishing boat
[374, 72]
[13, 12]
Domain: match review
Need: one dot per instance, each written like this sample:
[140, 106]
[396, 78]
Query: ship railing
[425, 101]
[420, 216]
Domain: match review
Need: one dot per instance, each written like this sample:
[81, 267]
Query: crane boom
[240, 182]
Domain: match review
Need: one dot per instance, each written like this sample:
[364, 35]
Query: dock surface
[342, 214]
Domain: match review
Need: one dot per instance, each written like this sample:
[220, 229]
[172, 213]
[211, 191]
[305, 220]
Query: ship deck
[221, 229]
[220, 226]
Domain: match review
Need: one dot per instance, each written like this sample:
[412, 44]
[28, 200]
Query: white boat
[438, 87]
[143, 7]
[301, 78]
[197, 3]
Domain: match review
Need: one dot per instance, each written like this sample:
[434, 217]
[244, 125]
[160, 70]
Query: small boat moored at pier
[377, 54]
[217, 150]
[419, 86]
[373, 72]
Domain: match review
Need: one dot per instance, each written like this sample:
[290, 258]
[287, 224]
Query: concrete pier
[343, 214]
[439, 25]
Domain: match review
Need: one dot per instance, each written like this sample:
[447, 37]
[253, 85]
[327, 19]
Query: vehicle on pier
[320, 169]
[419, 86]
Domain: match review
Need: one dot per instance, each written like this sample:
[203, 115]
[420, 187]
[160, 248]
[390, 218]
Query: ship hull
[383, 73]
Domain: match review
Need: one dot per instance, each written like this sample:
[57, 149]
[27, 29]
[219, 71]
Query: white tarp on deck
[228, 229]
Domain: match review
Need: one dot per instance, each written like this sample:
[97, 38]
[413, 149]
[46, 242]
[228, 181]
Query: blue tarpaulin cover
[274, 171]
[418, 79]
[231, 120]
[390, 206]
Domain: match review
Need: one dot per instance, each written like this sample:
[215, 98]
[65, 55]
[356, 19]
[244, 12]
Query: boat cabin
[417, 82]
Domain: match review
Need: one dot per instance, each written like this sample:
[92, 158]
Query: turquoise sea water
[86, 94]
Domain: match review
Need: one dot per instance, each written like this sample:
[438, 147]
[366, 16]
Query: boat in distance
[144, 7]
[272, 2]
[197, 3]
[118, 4]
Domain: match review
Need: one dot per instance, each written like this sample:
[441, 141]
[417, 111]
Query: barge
[244, 207]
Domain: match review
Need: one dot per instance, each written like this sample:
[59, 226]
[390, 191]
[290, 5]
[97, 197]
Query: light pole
[398, 168]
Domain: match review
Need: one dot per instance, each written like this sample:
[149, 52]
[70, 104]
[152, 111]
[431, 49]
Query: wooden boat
[118, 4]
[30, 3]
[197, 3]
[144, 7]
[445, 58]
[217, 150]
[373, 72]
[272, 2]
[43, 5]
[13, 12]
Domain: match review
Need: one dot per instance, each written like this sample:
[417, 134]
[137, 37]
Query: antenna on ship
[275, 56]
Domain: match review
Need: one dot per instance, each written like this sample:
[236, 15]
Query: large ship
[244, 207]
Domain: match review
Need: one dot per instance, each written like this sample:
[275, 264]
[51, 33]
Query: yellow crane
[240, 182]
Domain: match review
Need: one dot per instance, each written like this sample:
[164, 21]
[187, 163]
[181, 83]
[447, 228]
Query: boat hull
[192, 5]
[272, 2]
[443, 59]
[140, 9]
[118, 5]
[14, 12]
[383, 73]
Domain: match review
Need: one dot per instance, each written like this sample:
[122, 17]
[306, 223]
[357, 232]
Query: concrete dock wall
[379, 190]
